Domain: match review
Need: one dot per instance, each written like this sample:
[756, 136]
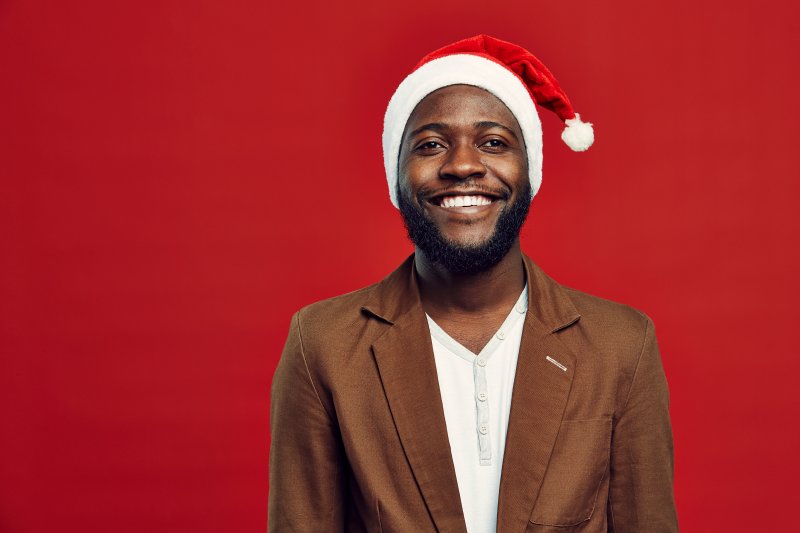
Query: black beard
[464, 259]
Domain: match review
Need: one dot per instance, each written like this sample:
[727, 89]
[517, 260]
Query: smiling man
[468, 391]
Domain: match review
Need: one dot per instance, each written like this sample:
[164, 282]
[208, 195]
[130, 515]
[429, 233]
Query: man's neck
[484, 293]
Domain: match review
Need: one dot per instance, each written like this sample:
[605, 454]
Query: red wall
[179, 177]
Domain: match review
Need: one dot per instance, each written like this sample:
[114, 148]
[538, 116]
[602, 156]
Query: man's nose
[463, 162]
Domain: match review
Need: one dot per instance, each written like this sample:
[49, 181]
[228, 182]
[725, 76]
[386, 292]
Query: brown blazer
[359, 441]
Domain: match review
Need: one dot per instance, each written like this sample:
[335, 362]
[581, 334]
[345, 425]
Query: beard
[459, 258]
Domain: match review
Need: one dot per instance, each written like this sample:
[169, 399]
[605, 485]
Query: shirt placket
[482, 410]
[481, 388]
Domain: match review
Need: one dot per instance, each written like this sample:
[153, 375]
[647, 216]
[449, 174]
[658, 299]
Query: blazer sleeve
[306, 462]
[641, 497]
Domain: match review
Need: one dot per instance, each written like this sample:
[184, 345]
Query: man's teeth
[465, 201]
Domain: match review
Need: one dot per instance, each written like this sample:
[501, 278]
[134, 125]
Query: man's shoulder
[596, 308]
[614, 329]
[594, 312]
[337, 310]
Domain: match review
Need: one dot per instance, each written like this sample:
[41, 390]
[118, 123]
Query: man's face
[463, 188]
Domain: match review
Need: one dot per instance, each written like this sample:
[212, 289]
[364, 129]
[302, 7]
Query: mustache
[464, 187]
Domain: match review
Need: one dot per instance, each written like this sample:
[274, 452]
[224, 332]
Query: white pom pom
[577, 135]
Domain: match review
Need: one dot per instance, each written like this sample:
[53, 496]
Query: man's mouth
[449, 201]
[464, 201]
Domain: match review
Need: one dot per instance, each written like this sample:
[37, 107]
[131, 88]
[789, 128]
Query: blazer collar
[404, 356]
[398, 294]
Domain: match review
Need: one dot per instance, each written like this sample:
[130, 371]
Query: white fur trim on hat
[457, 69]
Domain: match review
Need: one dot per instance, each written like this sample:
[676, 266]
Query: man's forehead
[453, 97]
[462, 105]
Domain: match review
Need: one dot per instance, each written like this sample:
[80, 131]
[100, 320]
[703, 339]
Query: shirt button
[501, 335]
[481, 361]
[482, 396]
[521, 309]
[484, 430]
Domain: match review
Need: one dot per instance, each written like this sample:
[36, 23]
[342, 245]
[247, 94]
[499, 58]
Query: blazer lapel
[404, 356]
[540, 394]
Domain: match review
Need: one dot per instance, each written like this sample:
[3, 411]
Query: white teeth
[465, 201]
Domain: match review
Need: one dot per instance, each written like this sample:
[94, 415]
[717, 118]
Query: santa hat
[506, 70]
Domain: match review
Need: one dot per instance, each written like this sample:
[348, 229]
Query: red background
[179, 177]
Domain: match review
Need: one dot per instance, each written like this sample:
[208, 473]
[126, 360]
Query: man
[468, 391]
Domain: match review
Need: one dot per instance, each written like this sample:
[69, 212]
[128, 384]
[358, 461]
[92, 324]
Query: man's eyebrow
[486, 124]
[435, 126]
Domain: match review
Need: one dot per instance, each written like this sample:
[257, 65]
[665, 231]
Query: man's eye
[494, 143]
[429, 145]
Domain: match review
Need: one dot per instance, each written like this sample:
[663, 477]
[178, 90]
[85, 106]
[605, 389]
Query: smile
[463, 201]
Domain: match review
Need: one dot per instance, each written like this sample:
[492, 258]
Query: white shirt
[476, 396]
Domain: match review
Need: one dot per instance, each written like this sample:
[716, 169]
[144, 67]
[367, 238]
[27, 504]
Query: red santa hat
[506, 70]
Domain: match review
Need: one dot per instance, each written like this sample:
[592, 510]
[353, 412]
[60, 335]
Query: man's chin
[468, 243]
[458, 259]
